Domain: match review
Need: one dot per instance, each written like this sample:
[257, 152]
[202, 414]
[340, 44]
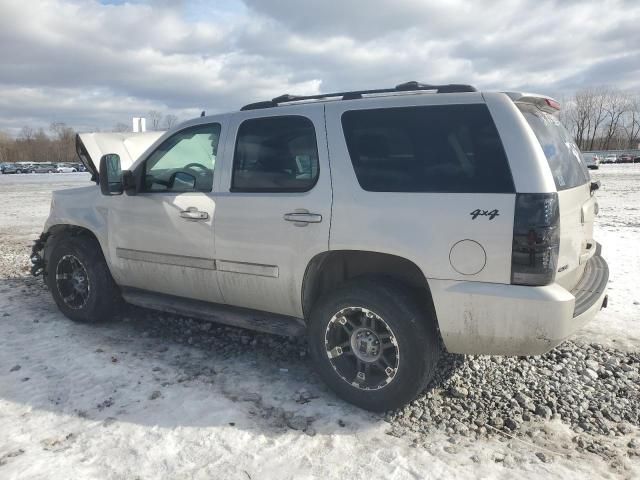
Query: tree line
[603, 119]
[36, 145]
[57, 143]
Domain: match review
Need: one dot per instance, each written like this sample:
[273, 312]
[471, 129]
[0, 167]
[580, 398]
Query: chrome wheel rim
[72, 282]
[362, 349]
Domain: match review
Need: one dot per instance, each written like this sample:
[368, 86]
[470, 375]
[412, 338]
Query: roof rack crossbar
[356, 94]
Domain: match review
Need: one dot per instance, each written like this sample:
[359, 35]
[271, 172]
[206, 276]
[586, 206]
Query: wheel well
[329, 269]
[66, 230]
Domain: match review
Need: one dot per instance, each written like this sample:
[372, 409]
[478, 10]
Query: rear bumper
[496, 319]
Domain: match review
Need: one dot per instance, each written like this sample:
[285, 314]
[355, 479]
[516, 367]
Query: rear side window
[443, 148]
[275, 154]
[563, 155]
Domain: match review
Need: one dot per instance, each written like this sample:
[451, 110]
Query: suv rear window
[442, 148]
[564, 157]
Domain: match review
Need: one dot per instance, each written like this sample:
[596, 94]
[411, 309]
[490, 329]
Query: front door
[162, 238]
[273, 213]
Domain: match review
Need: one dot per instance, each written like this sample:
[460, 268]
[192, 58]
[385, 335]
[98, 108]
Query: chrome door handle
[302, 217]
[192, 213]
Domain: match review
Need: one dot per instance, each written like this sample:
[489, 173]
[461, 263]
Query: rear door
[274, 209]
[572, 179]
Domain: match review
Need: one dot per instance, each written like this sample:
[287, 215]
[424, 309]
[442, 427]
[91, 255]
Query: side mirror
[110, 177]
[182, 182]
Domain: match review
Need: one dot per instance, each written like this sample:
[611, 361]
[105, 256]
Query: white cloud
[92, 65]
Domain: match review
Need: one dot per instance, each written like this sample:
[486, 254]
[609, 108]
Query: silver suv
[384, 224]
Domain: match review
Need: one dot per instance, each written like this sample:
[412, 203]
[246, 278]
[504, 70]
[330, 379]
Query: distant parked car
[65, 168]
[8, 168]
[609, 159]
[43, 168]
[591, 160]
[636, 159]
[22, 167]
[625, 158]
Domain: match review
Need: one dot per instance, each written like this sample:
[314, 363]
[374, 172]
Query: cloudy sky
[92, 64]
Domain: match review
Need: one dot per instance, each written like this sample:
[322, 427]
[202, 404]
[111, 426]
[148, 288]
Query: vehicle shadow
[153, 369]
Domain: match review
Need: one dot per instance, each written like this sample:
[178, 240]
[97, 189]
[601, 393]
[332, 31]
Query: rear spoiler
[90, 147]
[544, 103]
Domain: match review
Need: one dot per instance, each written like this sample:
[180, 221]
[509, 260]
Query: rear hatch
[577, 204]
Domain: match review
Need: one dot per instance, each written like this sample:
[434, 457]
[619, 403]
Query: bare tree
[6, 144]
[121, 127]
[170, 120]
[155, 119]
[598, 113]
[615, 106]
[631, 124]
[26, 134]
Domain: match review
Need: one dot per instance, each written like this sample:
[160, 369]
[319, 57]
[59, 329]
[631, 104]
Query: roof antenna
[202, 114]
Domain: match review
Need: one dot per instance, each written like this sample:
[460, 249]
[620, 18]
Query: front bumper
[497, 319]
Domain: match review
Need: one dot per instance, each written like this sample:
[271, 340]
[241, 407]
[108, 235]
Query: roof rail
[356, 94]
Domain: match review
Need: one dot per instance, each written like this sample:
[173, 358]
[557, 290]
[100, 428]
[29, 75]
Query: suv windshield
[563, 155]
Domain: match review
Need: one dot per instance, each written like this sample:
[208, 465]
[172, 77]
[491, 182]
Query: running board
[226, 314]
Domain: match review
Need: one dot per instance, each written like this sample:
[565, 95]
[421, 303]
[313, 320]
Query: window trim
[436, 106]
[233, 189]
[143, 164]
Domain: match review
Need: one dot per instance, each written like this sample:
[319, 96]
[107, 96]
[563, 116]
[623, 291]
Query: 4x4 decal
[484, 213]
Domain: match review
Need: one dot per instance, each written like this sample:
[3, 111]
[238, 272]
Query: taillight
[552, 103]
[536, 239]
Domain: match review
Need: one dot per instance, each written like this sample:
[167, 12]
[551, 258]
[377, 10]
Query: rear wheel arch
[327, 270]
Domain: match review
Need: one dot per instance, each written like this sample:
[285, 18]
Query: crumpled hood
[129, 146]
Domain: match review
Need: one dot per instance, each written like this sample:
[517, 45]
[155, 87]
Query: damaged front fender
[38, 265]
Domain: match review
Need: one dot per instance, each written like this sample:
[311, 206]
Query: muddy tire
[373, 343]
[79, 279]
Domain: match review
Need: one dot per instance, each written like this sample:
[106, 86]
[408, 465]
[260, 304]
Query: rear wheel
[373, 343]
[79, 279]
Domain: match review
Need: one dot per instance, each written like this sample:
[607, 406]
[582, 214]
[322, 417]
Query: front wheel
[373, 343]
[79, 279]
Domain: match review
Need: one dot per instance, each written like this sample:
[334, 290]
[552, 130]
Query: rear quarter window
[563, 155]
[443, 148]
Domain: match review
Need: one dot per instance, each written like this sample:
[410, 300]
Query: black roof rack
[403, 87]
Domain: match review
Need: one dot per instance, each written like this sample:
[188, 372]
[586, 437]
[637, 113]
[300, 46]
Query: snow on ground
[618, 230]
[131, 399]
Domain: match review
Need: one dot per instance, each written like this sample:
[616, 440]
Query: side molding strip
[248, 268]
[197, 262]
[166, 259]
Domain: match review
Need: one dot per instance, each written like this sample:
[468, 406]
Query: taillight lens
[536, 239]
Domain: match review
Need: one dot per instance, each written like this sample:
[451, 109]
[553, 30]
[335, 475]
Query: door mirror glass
[111, 175]
[183, 182]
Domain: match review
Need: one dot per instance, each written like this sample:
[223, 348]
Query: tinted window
[444, 148]
[563, 155]
[275, 154]
[184, 162]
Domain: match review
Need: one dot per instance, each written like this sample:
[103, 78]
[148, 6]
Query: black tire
[414, 328]
[103, 298]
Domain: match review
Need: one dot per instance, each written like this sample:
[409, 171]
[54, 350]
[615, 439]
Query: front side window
[275, 154]
[441, 148]
[184, 162]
